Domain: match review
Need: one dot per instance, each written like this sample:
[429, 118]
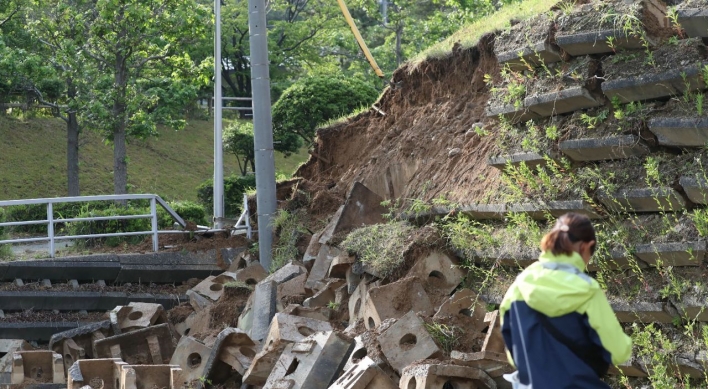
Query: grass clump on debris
[448, 337]
[289, 226]
[380, 246]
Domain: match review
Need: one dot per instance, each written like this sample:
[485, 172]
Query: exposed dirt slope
[410, 151]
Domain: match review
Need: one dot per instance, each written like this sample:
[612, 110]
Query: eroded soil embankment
[423, 145]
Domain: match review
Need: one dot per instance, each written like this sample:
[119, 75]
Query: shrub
[112, 226]
[315, 100]
[5, 251]
[234, 188]
[188, 210]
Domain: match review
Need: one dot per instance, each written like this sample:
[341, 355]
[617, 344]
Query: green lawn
[33, 161]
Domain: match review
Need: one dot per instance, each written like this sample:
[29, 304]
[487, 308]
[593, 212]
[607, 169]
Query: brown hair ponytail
[570, 228]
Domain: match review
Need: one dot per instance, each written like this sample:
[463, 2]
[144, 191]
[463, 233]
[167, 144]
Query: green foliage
[651, 343]
[111, 226]
[5, 251]
[234, 188]
[289, 226]
[448, 337]
[188, 210]
[700, 219]
[314, 100]
[238, 140]
[380, 246]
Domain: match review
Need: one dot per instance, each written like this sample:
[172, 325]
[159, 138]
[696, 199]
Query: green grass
[469, 35]
[33, 161]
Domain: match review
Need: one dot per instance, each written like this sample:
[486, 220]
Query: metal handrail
[243, 222]
[50, 221]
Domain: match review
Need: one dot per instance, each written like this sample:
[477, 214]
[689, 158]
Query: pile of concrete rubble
[327, 321]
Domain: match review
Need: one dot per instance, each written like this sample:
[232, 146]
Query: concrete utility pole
[218, 135]
[262, 128]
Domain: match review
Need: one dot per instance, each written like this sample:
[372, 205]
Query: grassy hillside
[33, 161]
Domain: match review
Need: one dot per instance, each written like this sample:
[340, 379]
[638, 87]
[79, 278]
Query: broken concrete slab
[696, 188]
[641, 311]
[7, 347]
[406, 341]
[264, 308]
[437, 376]
[151, 377]
[530, 159]
[318, 313]
[290, 329]
[394, 300]
[694, 21]
[464, 302]
[357, 301]
[233, 352]
[672, 254]
[37, 366]
[197, 301]
[95, 373]
[493, 341]
[595, 42]
[313, 363]
[191, 356]
[313, 248]
[493, 363]
[286, 273]
[151, 345]
[680, 131]
[361, 208]
[263, 363]
[326, 295]
[252, 274]
[594, 149]
[77, 343]
[629, 368]
[135, 316]
[353, 280]
[364, 375]
[293, 288]
[660, 199]
[564, 101]
[339, 266]
[213, 287]
[318, 273]
[655, 85]
[439, 270]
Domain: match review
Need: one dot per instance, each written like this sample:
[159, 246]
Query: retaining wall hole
[305, 331]
[194, 360]
[408, 341]
[216, 287]
[135, 315]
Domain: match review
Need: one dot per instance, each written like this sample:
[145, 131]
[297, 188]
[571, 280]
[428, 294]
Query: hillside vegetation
[33, 161]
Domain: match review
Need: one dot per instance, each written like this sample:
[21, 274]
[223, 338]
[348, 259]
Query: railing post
[50, 228]
[153, 212]
[246, 213]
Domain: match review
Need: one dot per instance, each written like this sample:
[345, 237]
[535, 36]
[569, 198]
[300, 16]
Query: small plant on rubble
[333, 305]
[380, 246]
[448, 337]
[655, 347]
[290, 227]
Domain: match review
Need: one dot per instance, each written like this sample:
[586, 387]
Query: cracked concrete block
[339, 266]
[77, 343]
[135, 316]
[7, 347]
[191, 356]
[293, 288]
[359, 351]
[316, 280]
[353, 280]
[326, 295]
[286, 273]
[406, 341]
[395, 300]
[361, 208]
[95, 373]
[493, 363]
[439, 271]
[40, 366]
[357, 301]
[317, 313]
[152, 345]
[151, 377]
[364, 375]
[213, 286]
[441, 376]
[467, 304]
[264, 308]
[252, 274]
[313, 248]
[313, 363]
[494, 340]
[290, 329]
[197, 301]
[263, 363]
[231, 355]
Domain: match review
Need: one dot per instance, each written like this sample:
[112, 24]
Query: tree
[238, 140]
[312, 101]
[139, 72]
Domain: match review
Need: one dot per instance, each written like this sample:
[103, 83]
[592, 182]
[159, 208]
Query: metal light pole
[262, 128]
[218, 136]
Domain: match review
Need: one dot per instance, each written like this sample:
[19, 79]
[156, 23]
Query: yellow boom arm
[359, 39]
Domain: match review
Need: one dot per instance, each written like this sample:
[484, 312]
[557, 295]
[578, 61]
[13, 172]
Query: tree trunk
[399, 36]
[120, 161]
[72, 154]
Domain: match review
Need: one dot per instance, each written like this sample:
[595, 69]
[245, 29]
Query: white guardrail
[242, 224]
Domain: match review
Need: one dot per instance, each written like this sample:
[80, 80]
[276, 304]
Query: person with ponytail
[558, 327]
